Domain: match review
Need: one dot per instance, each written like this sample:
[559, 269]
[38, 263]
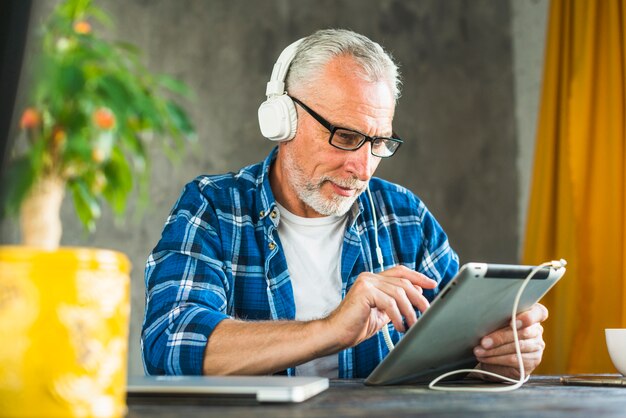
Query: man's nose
[359, 162]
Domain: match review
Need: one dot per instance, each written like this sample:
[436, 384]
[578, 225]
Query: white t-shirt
[312, 247]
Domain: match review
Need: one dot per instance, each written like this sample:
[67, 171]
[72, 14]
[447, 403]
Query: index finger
[415, 277]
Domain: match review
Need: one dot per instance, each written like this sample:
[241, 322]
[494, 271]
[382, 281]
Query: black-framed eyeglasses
[351, 140]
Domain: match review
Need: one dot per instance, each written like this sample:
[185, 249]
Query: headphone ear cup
[278, 118]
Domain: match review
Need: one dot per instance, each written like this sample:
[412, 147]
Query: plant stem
[40, 219]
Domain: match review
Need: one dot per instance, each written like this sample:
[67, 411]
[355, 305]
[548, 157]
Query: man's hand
[496, 352]
[266, 347]
[375, 299]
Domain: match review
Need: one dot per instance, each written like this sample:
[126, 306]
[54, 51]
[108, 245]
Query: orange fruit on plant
[30, 118]
[103, 118]
[82, 27]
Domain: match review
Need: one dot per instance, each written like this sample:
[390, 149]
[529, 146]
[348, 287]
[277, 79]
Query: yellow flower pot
[64, 318]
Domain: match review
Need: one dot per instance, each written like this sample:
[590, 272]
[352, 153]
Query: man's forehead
[344, 78]
[352, 100]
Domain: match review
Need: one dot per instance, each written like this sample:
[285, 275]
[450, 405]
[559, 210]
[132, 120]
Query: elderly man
[295, 264]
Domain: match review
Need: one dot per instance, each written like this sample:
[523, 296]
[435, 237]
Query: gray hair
[316, 50]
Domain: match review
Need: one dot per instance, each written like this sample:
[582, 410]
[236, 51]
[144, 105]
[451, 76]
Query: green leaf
[173, 85]
[119, 181]
[115, 93]
[78, 147]
[20, 177]
[101, 16]
[133, 146]
[37, 156]
[73, 9]
[46, 87]
[127, 47]
[149, 111]
[179, 118]
[99, 51]
[87, 206]
[70, 80]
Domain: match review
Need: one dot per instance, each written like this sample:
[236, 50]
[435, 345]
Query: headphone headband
[278, 118]
[276, 85]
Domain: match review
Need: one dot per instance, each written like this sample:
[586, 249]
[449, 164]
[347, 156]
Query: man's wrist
[326, 334]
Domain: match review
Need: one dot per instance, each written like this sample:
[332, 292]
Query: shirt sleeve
[437, 259]
[186, 288]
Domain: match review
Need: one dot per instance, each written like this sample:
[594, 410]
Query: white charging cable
[515, 383]
[522, 378]
[379, 253]
[379, 257]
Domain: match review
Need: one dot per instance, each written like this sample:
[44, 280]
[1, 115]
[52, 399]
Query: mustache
[348, 183]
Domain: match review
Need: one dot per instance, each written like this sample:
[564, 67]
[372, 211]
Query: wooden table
[542, 396]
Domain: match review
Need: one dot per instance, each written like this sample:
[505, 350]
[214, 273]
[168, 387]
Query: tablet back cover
[476, 302]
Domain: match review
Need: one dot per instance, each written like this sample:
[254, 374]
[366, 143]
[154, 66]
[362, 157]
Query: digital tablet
[476, 302]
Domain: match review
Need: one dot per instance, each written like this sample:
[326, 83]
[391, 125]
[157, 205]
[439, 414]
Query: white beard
[309, 189]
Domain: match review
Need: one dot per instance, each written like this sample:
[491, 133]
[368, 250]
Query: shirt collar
[265, 202]
[356, 210]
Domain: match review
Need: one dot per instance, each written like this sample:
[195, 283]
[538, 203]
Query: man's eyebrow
[387, 134]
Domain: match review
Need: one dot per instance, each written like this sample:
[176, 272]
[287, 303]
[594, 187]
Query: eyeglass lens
[351, 140]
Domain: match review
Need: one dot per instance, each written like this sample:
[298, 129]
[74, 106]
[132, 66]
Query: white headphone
[278, 118]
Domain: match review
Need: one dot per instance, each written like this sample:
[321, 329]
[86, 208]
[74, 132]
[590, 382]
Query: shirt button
[261, 214]
[272, 246]
[273, 215]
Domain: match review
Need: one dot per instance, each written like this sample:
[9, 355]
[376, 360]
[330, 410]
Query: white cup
[616, 343]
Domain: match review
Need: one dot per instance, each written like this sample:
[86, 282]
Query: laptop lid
[261, 388]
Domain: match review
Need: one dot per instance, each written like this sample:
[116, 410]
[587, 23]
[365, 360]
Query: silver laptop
[261, 388]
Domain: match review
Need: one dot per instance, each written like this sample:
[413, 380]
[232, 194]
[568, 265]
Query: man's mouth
[343, 191]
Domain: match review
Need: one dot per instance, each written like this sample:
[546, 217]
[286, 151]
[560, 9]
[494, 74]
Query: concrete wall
[529, 24]
[457, 113]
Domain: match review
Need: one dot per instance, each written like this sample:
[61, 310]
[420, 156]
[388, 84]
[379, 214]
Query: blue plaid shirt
[220, 257]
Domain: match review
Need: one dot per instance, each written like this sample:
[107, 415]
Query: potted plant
[93, 111]
[93, 108]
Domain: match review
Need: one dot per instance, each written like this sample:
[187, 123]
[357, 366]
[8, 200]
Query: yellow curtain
[577, 208]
